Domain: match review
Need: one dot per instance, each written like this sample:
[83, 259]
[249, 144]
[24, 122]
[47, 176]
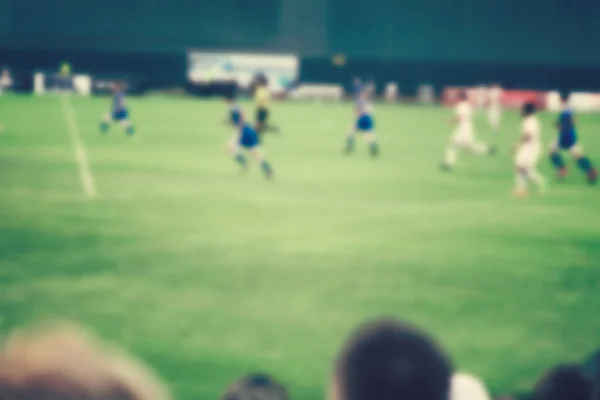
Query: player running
[567, 140]
[234, 118]
[528, 152]
[463, 137]
[494, 106]
[262, 98]
[119, 112]
[357, 88]
[365, 124]
[245, 138]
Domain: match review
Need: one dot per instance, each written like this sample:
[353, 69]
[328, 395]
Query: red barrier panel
[516, 98]
[510, 98]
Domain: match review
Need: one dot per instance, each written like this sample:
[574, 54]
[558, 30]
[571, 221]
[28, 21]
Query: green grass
[207, 274]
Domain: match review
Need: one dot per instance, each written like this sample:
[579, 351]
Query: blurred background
[537, 45]
[159, 233]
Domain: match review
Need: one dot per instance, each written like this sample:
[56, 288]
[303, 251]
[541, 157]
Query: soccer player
[5, 83]
[364, 124]
[391, 92]
[357, 88]
[567, 140]
[5, 80]
[119, 112]
[233, 119]
[463, 137]
[494, 106]
[262, 98]
[248, 139]
[528, 152]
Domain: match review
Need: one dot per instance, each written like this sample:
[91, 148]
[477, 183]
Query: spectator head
[468, 387]
[390, 360]
[591, 369]
[564, 382]
[255, 387]
[66, 363]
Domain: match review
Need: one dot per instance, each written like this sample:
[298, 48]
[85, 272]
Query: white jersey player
[494, 106]
[528, 152]
[391, 92]
[463, 137]
[480, 96]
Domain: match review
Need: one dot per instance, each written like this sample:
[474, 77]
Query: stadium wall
[450, 43]
[409, 74]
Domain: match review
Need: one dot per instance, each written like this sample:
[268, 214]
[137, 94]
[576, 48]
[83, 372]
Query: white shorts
[463, 138]
[527, 157]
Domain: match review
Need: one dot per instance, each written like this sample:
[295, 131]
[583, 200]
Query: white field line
[85, 173]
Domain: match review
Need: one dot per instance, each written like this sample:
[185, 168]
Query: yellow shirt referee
[262, 98]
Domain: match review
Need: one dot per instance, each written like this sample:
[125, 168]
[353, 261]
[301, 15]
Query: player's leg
[236, 152]
[350, 139]
[267, 126]
[450, 154]
[520, 189]
[105, 123]
[258, 155]
[494, 119]
[372, 142]
[526, 163]
[232, 145]
[262, 122]
[122, 117]
[532, 172]
[479, 148]
[538, 179]
[127, 126]
[557, 161]
[584, 163]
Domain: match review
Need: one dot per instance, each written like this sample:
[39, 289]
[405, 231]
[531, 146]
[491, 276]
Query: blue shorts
[567, 140]
[249, 138]
[120, 115]
[365, 123]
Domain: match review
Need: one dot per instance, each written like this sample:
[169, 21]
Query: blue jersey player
[567, 141]
[365, 124]
[235, 112]
[118, 113]
[245, 138]
[233, 119]
[357, 88]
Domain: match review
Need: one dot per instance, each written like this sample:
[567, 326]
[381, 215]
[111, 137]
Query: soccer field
[207, 274]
